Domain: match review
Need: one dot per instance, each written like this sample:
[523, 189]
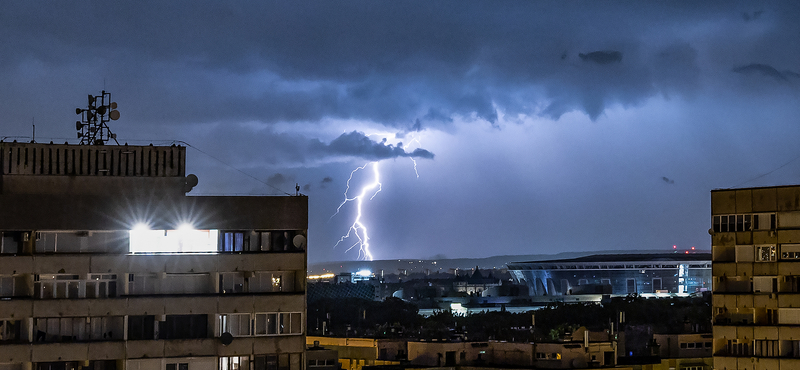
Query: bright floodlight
[185, 239]
[364, 273]
[141, 226]
[185, 227]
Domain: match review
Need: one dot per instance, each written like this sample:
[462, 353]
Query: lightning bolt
[358, 229]
[419, 145]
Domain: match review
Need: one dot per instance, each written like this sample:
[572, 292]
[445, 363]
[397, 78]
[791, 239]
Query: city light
[364, 273]
[320, 277]
[183, 240]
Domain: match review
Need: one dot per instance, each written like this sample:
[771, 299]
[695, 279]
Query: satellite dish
[299, 241]
[189, 182]
[226, 338]
[78, 125]
[101, 110]
[78, 111]
[114, 105]
[114, 115]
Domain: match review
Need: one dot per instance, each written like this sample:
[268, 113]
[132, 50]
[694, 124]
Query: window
[234, 241]
[140, 284]
[277, 241]
[178, 366]
[792, 348]
[141, 327]
[10, 242]
[234, 363]
[290, 361]
[266, 323]
[278, 281]
[765, 348]
[183, 327]
[101, 286]
[765, 284]
[278, 323]
[57, 286]
[237, 325]
[737, 348]
[10, 329]
[766, 253]
[9, 285]
[790, 251]
[171, 241]
[268, 362]
[231, 282]
[61, 365]
[743, 222]
[548, 356]
[66, 329]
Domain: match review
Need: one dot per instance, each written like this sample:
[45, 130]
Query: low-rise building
[355, 353]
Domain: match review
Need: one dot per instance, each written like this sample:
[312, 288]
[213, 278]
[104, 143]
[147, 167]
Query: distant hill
[446, 264]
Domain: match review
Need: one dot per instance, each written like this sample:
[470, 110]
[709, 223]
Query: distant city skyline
[499, 128]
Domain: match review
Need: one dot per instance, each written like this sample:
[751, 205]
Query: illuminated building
[106, 263]
[617, 274]
[755, 237]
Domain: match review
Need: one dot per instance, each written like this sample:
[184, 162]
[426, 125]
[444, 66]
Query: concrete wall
[470, 353]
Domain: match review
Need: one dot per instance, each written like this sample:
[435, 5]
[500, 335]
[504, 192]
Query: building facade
[107, 264]
[617, 274]
[755, 236]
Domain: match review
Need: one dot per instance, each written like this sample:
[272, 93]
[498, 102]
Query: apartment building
[756, 268]
[107, 264]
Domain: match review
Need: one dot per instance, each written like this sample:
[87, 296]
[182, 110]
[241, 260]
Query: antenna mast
[93, 126]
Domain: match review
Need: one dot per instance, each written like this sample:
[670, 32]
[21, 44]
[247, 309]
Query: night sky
[536, 127]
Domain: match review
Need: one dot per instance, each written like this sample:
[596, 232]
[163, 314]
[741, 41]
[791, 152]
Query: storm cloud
[539, 113]
[357, 144]
[766, 70]
[384, 62]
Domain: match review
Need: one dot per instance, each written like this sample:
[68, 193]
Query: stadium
[653, 274]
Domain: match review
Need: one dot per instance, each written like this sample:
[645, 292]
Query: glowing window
[172, 241]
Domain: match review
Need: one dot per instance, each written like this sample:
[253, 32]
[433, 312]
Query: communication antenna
[93, 126]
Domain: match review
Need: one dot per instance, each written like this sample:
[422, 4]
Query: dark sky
[536, 127]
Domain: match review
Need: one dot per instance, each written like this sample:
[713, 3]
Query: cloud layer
[556, 125]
